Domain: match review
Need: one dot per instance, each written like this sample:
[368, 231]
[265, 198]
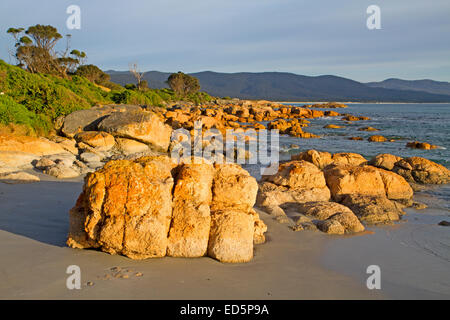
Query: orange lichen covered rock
[152, 207]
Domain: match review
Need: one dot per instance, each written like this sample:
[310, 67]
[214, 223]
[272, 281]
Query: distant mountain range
[431, 86]
[281, 86]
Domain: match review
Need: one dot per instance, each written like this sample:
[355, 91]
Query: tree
[183, 84]
[35, 51]
[134, 70]
[93, 74]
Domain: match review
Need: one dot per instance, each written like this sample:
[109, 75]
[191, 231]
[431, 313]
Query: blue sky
[304, 37]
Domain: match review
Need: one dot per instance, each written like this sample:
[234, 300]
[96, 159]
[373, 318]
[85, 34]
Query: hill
[283, 86]
[426, 85]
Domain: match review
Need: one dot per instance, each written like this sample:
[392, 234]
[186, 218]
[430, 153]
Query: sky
[313, 37]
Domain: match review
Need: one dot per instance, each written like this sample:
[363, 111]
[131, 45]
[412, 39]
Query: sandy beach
[291, 265]
[34, 258]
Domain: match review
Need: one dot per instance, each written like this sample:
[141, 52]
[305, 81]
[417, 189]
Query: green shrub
[12, 112]
[49, 95]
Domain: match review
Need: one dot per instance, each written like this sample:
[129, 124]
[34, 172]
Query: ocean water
[402, 122]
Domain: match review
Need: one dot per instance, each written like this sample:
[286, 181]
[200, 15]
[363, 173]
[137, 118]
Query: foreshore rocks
[421, 170]
[295, 182]
[355, 190]
[151, 207]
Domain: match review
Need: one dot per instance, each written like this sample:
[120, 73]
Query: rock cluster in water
[338, 193]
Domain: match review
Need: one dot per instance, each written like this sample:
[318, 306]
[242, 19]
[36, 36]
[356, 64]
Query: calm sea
[401, 122]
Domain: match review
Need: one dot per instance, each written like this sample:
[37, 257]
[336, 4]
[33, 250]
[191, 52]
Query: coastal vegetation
[47, 84]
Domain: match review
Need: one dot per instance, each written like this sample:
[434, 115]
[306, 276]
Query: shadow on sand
[39, 211]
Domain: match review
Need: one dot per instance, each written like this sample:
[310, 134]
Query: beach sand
[290, 265]
[34, 259]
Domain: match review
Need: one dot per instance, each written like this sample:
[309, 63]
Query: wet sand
[413, 255]
[34, 258]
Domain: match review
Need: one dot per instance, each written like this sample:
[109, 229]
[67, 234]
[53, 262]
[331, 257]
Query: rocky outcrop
[348, 158]
[129, 146]
[340, 223]
[30, 145]
[350, 179]
[101, 141]
[232, 218]
[368, 129]
[367, 180]
[420, 170]
[373, 209]
[142, 126]
[319, 158]
[395, 186]
[295, 182]
[11, 161]
[333, 126]
[384, 161]
[191, 217]
[88, 120]
[151, 207]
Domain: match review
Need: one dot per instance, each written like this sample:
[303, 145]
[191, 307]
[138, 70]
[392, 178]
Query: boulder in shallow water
[377, 138]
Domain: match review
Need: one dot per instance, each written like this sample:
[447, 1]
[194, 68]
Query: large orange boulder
[152, 207]
[125, 208]
[350, 179]
[99, 140]
[319, 158]
[191, 218]
[142, 126]
[366, 180]
[295, 182]
[421, 170]
[348, 158]
[384, 161]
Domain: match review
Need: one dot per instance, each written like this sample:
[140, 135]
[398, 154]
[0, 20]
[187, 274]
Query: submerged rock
[421, 145]
[377, 138]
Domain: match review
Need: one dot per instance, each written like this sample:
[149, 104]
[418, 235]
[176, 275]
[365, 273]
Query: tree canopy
[35, 51]
[183, 84]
